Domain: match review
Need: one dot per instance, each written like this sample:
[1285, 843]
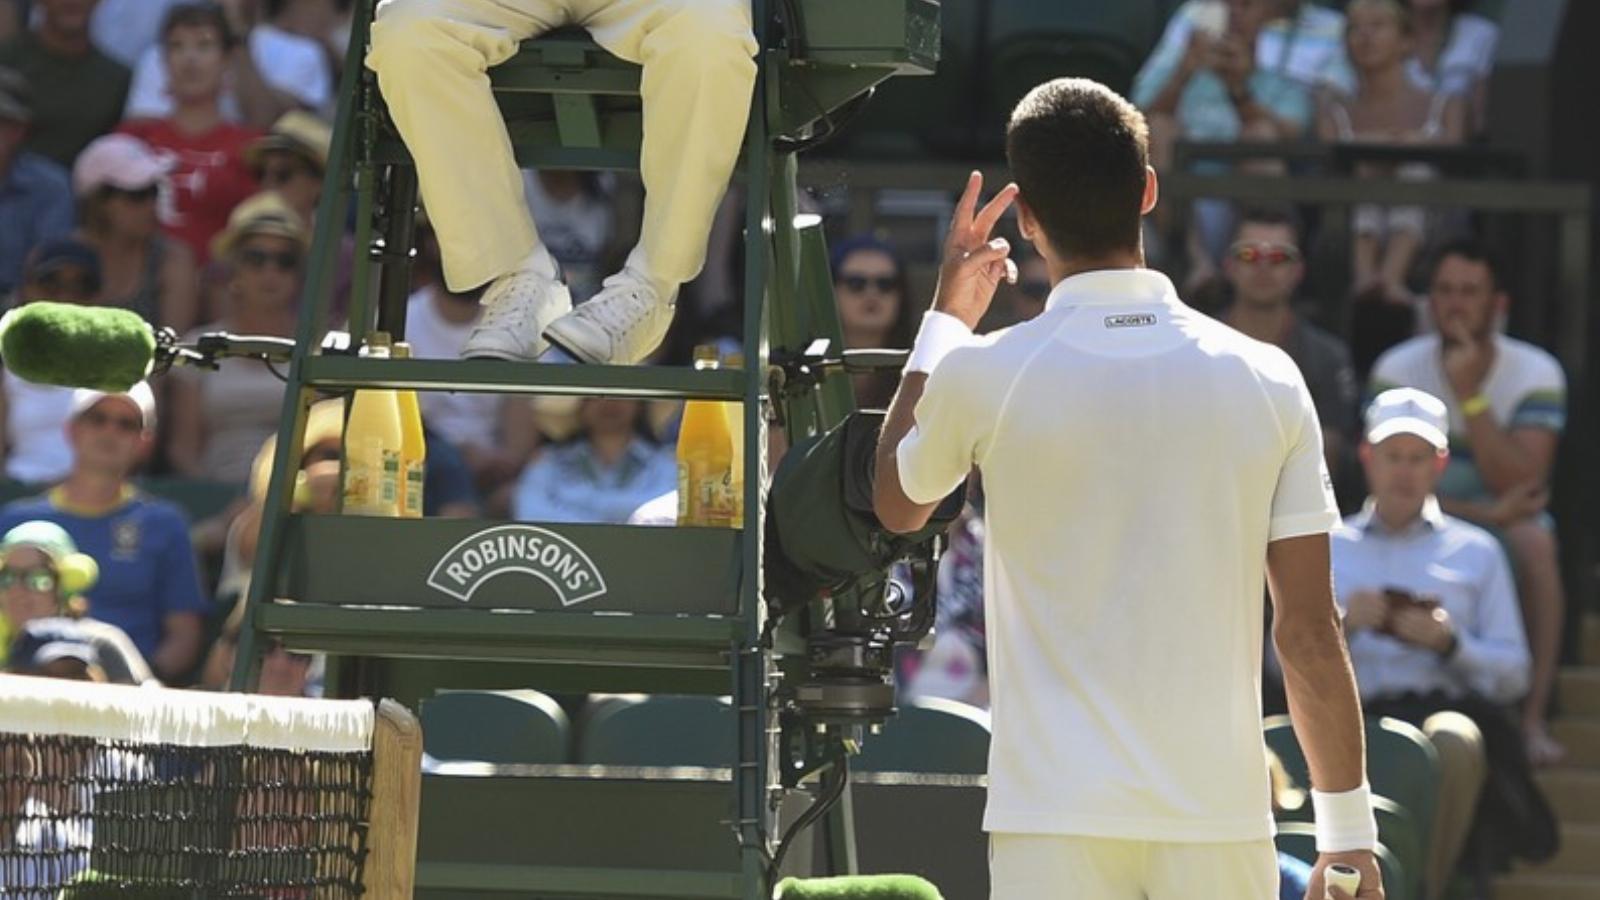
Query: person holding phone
[1435, 632]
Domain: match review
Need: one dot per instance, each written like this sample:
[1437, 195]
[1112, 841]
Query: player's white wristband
[940, 333]
[1344, 820]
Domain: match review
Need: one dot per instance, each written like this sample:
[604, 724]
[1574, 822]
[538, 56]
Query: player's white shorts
[1061, 867]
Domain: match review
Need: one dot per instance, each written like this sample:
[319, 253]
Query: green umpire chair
[656, 730]
[505, 727]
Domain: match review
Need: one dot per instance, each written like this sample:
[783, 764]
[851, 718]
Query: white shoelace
[622, 312]
[509, 310]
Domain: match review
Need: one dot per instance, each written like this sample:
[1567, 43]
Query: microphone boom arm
[210, 348]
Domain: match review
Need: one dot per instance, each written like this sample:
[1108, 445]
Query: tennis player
[1144, 467]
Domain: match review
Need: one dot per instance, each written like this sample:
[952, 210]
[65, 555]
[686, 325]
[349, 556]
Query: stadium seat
[932, 735]
[1403, 770]
[1299, 840]
[660, 730]
[524, 727]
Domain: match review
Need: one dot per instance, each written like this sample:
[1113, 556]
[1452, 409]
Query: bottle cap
[401, 350]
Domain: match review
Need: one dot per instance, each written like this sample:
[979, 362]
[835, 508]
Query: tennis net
[110, 791]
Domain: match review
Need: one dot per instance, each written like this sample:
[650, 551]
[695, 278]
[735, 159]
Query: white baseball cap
[139, 395]
[1408, 411]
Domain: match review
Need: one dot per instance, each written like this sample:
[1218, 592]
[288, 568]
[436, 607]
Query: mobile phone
[1211, 18]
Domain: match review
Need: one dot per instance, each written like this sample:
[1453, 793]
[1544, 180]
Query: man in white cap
[1434, 628]
[149, 583]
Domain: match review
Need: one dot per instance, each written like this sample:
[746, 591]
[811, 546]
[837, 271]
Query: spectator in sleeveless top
[33, 417]
[118, 179]
[870, 288]
[1454, 53]
[220, 418]
[1387, 107]
[208, 176]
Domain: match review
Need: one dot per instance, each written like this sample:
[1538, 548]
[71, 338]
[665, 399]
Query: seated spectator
[118, 180]
[284, 673]
[125, 29]
[209, 176]
[278, 65]
[1241, 70]
[603, 474]
[1387, 108]
[495, 435]
[1433, 628]
[65, 658]
[119, 661]
[35, 193]
[1453, 53]
[33, 417]
[220, 418]
[869, 285]
[291, 159]
[149, 583]
[1265, 268]
[573, 213]
[77, 90]
[1507, 401]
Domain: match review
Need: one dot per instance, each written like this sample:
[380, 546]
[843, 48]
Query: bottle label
[416, 476]
[389, 482]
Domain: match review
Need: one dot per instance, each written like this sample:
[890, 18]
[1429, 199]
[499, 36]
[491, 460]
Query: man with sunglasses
[149, 583]
[35, 192]
[1264, 266]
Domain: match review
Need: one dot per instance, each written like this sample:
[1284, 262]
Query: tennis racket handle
[1344, 877]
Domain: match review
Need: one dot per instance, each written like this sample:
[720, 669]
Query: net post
[396, 794]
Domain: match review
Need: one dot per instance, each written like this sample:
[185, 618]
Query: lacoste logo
[543, 554]
[1130, 320]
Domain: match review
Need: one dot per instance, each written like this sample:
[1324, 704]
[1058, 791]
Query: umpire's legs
[697, 81]
[432, 57]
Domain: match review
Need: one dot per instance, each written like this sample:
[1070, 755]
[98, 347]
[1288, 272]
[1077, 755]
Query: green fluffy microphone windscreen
[858, 887]
[68, 345]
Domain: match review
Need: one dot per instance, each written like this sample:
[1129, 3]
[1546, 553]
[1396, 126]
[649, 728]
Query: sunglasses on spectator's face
[1270, 254]
[137, 195]
[286, 260]
[124, 424]
[279, 174]
[40, 581]
[885, 284]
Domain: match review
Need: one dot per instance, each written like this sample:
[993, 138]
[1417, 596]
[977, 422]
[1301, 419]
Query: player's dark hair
[1471, 250]
[1078, 151]
[197, 15]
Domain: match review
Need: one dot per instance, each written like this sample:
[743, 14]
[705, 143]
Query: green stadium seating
[506, 727]
[657, 730]
[1403, 769]
[929, 735]
[1299, 840]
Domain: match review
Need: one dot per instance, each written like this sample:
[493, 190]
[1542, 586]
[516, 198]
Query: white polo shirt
[1137, 457]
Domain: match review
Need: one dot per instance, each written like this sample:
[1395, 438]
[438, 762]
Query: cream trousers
[1064, 867]
[432, 57]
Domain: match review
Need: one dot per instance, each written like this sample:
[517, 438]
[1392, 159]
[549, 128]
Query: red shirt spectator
[208, 178]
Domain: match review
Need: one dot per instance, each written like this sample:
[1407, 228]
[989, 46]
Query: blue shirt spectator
[35, 193]
[147, 566]
[605, 473]
[149, 583]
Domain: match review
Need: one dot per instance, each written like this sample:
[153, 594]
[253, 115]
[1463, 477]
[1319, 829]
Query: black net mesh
[92, 818]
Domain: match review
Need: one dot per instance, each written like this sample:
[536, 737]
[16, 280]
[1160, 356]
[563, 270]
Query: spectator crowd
[167, 157]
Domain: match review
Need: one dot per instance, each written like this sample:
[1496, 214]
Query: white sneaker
[621, 325]
[516, 309]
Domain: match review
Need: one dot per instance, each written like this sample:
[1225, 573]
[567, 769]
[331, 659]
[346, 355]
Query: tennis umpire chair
[589, 607]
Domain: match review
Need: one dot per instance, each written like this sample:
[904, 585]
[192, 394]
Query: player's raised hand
[974, 263]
